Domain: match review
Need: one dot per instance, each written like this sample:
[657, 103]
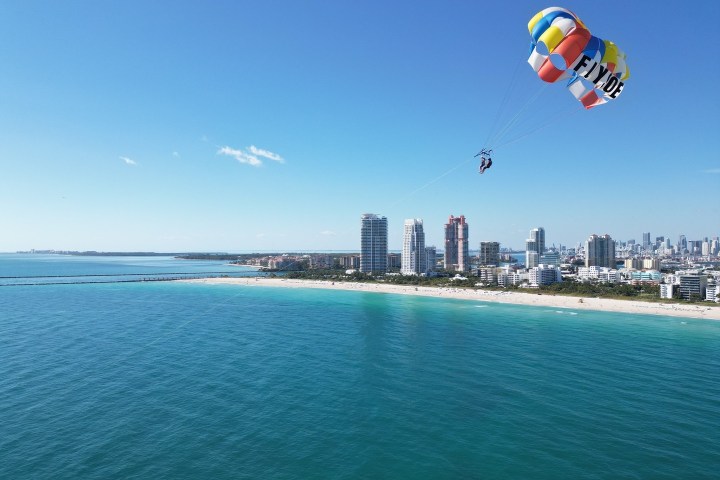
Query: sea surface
[149, 380]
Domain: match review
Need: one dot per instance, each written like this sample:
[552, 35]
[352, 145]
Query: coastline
[517, 298]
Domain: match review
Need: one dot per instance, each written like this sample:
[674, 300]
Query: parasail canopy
[563, 49]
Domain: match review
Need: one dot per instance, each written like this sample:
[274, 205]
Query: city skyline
[240, 126]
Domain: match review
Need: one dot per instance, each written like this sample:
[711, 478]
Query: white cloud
[176, 154]
[712, 170]
[328, 232]
[128, 161]
[265, 154]
[240, 156]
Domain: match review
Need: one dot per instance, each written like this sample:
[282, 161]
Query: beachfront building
[544, 275]
[693, 286]
[373, 243]
[350, 261]
[489, 253]
[414, 256]
[601, 274]
[487, 275]
[431, 256]
[320, 261]
[506, 278]
[457, 254]
[712, 293]
[667, 290]
[534, 247]
[285, 262]
[600, 251]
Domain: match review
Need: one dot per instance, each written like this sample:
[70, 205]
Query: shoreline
[516, 298]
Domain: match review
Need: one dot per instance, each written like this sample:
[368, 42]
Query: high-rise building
[682, 244]
[373, 243]
[489, 253]
[414, 256]
[431, 255]
[534, 247]
[646, 240]
[600, 251]
[457, 256]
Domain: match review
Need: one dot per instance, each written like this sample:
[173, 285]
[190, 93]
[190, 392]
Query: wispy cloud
[176, 154]
[251, 155]
[712, 170]
[265, 154]
[328, 232]
[128, 161]
[240, 156]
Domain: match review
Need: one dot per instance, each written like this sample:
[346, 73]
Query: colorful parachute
[564, 49]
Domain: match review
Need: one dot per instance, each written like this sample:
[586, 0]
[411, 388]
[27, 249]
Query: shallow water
[180, 380]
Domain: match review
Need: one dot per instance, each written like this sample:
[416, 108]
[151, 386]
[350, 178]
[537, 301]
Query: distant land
[208, 255]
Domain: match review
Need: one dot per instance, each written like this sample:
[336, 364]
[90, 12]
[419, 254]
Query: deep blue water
[176, 380]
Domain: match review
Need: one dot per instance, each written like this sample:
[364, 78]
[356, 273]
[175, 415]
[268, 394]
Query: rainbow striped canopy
[563, 48]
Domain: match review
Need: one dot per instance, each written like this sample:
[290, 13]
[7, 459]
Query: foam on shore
[513, 297]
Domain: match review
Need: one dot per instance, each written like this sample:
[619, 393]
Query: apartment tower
[457, 257]
[600, 251]
[373, 244]
[534, 247]
[414, 256]
[489, 253]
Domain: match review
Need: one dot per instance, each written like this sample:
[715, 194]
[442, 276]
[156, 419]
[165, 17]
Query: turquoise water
[174, 380]
[24, 269]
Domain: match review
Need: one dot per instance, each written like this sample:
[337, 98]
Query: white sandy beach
[519, 298]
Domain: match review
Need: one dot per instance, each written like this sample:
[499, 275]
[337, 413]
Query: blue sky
[273, 125]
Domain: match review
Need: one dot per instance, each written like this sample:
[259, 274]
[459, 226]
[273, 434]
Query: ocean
[191, 381]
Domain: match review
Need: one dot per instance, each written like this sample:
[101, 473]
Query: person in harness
[485, 159]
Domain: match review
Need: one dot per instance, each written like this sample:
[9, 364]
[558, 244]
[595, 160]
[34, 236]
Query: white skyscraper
[414, 256]
[534, 247]
[373, 244]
